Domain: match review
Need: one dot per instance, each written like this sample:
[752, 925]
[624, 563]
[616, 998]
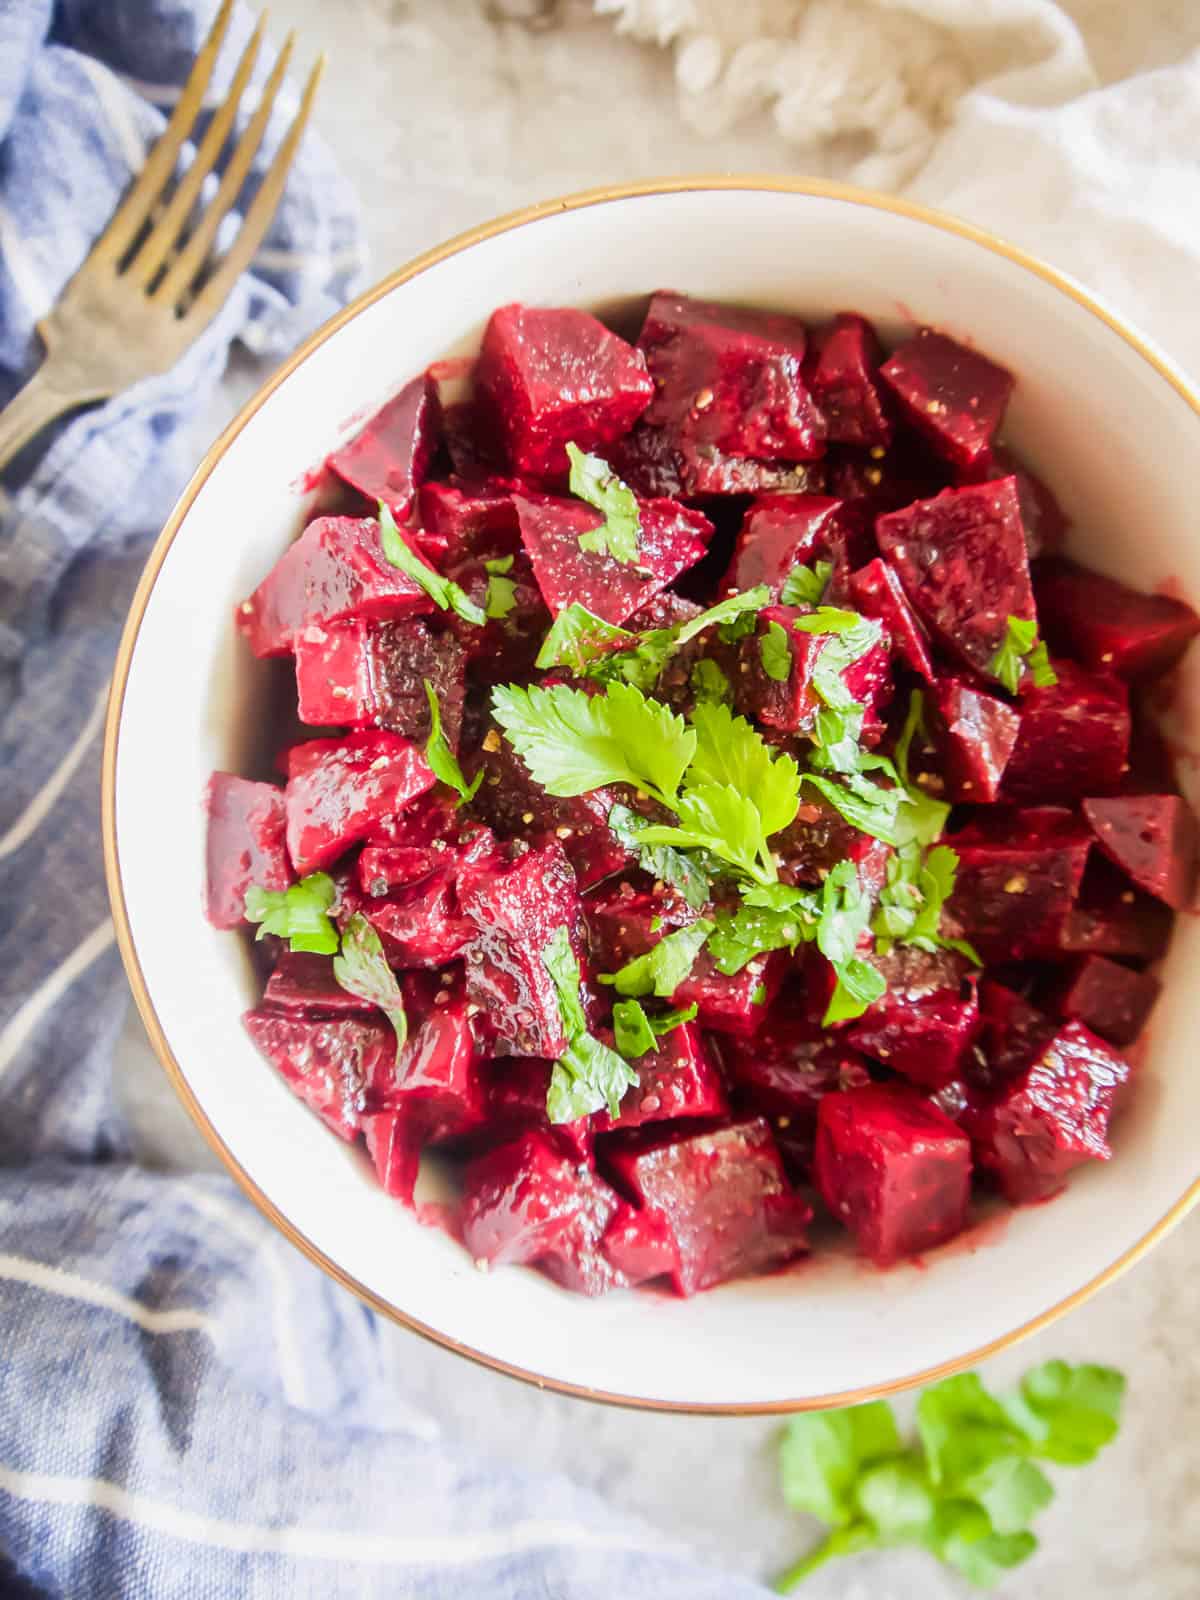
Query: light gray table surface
[442, 116]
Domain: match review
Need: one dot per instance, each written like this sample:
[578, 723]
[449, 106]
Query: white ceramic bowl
[1098, 412]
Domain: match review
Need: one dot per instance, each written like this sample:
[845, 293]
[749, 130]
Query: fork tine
[258, 218]
[160, 163]
[188, 263]
[154, 249]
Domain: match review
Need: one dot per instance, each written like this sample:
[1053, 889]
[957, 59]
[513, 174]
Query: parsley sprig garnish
[444, 592]
[443, 763]
[588, 1075]
[1022, 649]
[665, 966]
[967, 1489]
[636, 1033]
[593, 480]
[362, 969]
[298, 914]
[806, 585]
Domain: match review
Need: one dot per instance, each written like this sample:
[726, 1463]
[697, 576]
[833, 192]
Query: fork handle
[31, 408]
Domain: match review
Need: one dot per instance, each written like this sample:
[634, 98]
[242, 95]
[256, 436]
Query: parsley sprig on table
[1021, 649]
[967, 1489]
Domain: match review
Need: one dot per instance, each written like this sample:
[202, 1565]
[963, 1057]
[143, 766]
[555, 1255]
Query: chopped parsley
[588, 1075]
[806, 585]
[298, 914]
[443, 763]
[636, 1033]
[594, 481]
[362, 969]
[1022, 649]
[775, 653]
[444, 593]
[664, 967]
[709, 683]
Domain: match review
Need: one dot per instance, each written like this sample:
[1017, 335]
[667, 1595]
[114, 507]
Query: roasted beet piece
[791, 703]
[679, 1079]
[842, 377]
[1073, 739]
[352, 673]
[974, 734]
[639, 1244]
[953, 395]
[383, 867]
[339, 789]
[1112, 918]
[333, 674]
[652, 464]
[818, 837]
[517, 1087]
[246, 844]
[924, 1037]
[516, 910]
[546, 377]
[528, 1202]
[893, 1169]
[419, 924]
[479, 523]
[781, 531]
[330, 1064]
[505, 647]
[876, 591]
[1106, 997]
[335, 569]
[438, 1073]
[516, 806]
[1043, 518]
[1040, 1124]
[1108, 626]
[303, 982]
[394, 1145]
[389, 458]
[723, 1197]
[1018, 875]
[1152, 837]
[1013, 1032]
[672, 538]
[961, 558]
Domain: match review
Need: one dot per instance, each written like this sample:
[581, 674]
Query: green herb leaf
[636, 1033]
[680, 872]
[577, 638]
[444, 593]
[962, 1537]
[964, 1429]
[765, 922]
[897, 1499]
[561, 962]
[1012, 1491]
[709, 683]
[822, 1455]
[832, 619]
[1069, 1412]
[573, 742]
[804, 585]
[845, 918]
[587, 1077]
[642, 661]
[729, 751]
[859, 985]
[499, 564]
[775, 653]
[716, 818]
[1021, 648]
[501, 597]
[362, 970]
[865, 806]
[297, 914]
[661, 970]
[443, 763]
[594, 481]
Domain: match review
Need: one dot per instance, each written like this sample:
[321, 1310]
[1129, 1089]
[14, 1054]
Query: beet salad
[714, 816]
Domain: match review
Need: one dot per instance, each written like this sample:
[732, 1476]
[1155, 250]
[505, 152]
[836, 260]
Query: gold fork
[137, 303]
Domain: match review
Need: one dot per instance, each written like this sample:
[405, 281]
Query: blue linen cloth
[187, 1408]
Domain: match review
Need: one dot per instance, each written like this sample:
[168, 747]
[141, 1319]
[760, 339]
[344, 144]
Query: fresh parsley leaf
[444, 593]
[577, 638]
[775, 653]
[443, 763]
[501, 597]
[914, 723]
[731, 632]
[772, 917]
[709, 683]
[746, 602]
[962, 1537]
[573, 742]
[297, 914]
[587, 1077]
[1070, 1413]
[728, 750]
[845, 918]
[661, 970]
[822, 1455]
[963, 1429]
[804, 585]
[1020, 647]
[362, 969]
[683, 873]
[859, 985]
[898, 1500]
[719, 819]
[499, 564]
[1012, 1491]
[594, 481]
[864, 805]
[636, 1033]
[561, 963]
[911, 901]
[832, 619]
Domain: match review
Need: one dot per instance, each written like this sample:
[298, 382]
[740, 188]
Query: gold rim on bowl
[145, 1005]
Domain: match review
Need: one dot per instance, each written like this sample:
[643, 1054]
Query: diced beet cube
[503, 649]
[465, 525]
[842, 378]
[1106, 997]
[528, 1202]
[339, 789]
[672, 538]
[792, 703]
[1013, 1033]
[781, 531]
[420, 924]
[1036, 1127]
[679, 1079]
[654, 463]
[402, 656]
[722, 1195]
[893, 1169]
[974, 734]
[394, 1145]
[335, 569]
[1112, 918]
[1043, 518]
[333, 674]
[953, 395]
[639, 1244]
[433, 820]
[729, 380]
[887, 478]
[1073, 739]
[329, 1063]
[546, 377]
[383, 867]
[876, 591]
[961, 558]
[438, 1073]
[516, 806]
[246, 843]
[1018, 876]
[304, 982]
[517, 1087]
[1110, 627]
[923, 1037]
[516, 910]
[1152, 837]
[624, 922]
[389, 458]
